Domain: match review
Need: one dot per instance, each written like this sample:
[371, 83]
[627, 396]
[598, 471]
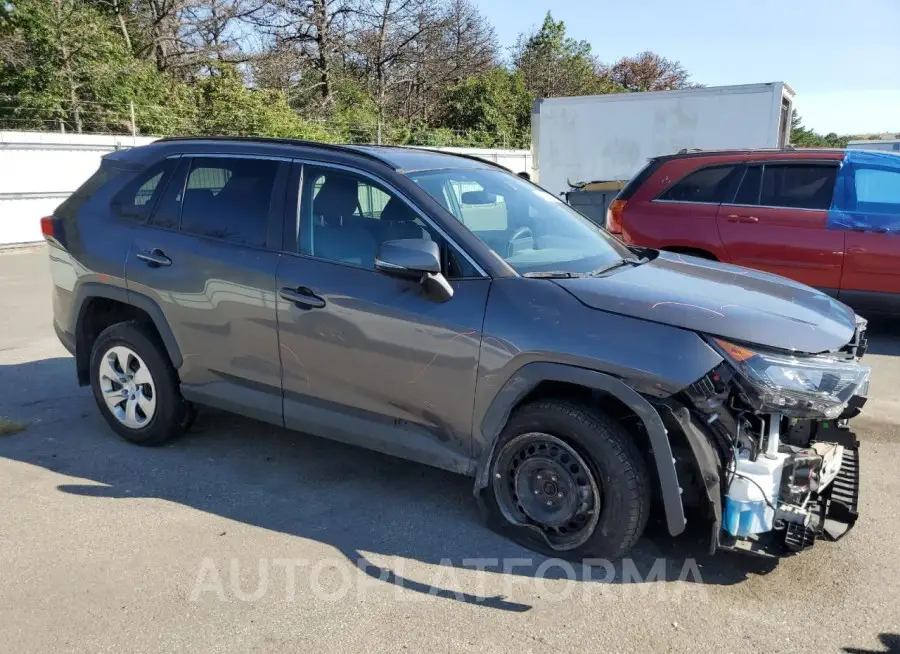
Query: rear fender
[90, 290]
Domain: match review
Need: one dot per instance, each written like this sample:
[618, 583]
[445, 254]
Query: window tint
[138, 197]
[748, 193]
[797, 186]
[878, 190]
[346, 217]
[229, 199]
[704, 185]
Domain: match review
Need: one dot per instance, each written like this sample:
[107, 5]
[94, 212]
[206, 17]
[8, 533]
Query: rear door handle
[302, 297]
[736, 218]
[154, 258]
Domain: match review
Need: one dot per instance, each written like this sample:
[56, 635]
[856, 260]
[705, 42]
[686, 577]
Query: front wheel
[568, 481]
[136, 387]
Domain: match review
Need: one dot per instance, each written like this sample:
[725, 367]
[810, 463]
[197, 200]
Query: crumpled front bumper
[834, 510]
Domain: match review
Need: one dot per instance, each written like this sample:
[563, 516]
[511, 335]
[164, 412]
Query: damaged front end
[771, 445]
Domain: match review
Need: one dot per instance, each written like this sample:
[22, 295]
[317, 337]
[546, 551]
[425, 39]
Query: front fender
[530, 375]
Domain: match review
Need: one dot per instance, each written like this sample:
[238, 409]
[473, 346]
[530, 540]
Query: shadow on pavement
[891, 643]
[884, 336]
[351, 499]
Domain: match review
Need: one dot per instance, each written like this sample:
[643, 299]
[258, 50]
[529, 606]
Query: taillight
[53, 230]
[614, 216]
[47, 227]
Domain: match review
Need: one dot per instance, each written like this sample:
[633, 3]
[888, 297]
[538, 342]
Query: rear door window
[223, 198]
[798, 186]
[748, 193]
[707, 185]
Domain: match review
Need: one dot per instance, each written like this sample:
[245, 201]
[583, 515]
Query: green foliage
[804, 137]
[554, 64]
[225, 105]
[62, 63]
[494, 106]
[163, 68]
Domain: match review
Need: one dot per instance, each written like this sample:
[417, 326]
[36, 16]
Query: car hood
[722, 300]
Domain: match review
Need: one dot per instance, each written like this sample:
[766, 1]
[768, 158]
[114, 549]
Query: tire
[608, 480]
[161, 413]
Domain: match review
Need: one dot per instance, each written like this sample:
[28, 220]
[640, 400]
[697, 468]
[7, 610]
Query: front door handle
[154, 258]
[302, 297]
[737, 218]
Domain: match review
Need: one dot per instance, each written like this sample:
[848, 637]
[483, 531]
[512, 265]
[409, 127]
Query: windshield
[527, 227]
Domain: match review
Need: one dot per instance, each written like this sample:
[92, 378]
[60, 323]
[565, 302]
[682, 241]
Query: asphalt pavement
[247, 538]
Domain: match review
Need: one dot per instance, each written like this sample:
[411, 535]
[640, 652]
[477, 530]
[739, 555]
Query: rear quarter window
[138, 197]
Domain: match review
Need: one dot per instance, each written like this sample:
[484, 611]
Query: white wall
[610, 137]
[38, 170]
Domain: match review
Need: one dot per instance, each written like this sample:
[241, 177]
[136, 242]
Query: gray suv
[441, 309]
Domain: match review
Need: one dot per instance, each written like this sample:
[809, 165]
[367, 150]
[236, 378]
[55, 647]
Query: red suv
[826, 218]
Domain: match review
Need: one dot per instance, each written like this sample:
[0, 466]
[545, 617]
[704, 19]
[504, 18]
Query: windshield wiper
[631, 261]
[553, 274]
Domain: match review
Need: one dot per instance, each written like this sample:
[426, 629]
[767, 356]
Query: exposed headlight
[796, 386]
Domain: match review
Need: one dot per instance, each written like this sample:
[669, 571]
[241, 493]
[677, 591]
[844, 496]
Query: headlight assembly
[796, 386]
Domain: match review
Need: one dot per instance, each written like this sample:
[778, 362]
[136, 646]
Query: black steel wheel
[567, 480]
[540, 480]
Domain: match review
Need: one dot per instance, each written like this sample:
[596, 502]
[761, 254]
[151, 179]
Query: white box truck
[610, 137]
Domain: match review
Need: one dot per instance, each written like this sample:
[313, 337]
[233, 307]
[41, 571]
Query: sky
[841, 58]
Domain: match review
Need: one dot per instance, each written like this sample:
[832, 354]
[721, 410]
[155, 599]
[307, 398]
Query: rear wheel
[136, 387]
[568, 481]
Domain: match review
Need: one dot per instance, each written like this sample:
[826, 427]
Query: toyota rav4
[439, 308]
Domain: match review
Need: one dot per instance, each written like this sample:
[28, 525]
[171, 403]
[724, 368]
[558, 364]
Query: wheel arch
[529, 381]
[99, 306]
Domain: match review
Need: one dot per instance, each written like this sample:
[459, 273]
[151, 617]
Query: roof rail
[336, 147]
[428, 148]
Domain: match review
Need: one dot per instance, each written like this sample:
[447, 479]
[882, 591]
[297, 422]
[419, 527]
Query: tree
[226, 106]
[307, 38]
[648, 71]
[804, 137]
[386, 37]
[495, 106]
[464, 44]
[209, 31]
[56, 74]
[553, 64]
[404, 71]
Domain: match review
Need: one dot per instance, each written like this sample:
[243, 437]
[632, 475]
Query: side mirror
[415, 259]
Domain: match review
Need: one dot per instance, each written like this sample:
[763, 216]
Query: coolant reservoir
[746, 509]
